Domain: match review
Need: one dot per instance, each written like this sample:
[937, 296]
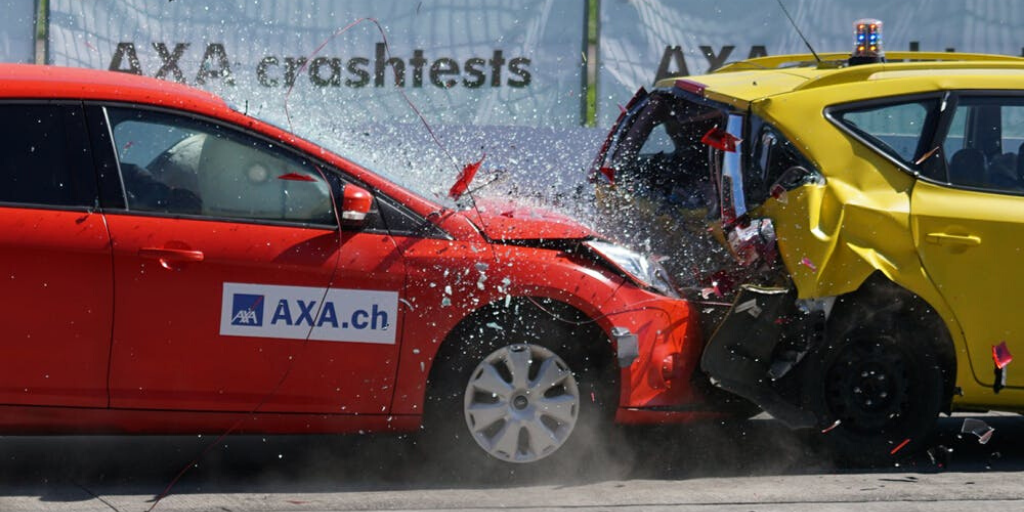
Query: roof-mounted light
[867, 42]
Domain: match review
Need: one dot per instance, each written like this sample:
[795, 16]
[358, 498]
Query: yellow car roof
[754, 79]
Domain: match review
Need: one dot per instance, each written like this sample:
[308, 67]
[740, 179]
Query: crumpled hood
[509, 222]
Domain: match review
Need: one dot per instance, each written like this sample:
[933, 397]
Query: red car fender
[666, 329]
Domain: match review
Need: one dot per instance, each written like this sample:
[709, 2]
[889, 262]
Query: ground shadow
[79, 468]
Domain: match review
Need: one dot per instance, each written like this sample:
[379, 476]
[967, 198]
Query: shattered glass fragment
[979, 428]
[994, 456]
[939, 456]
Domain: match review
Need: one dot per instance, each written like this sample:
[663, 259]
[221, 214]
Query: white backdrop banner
[17, 41]
[517, 62]
[642, 38]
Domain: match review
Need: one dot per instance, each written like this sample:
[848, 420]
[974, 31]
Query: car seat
[967, 167]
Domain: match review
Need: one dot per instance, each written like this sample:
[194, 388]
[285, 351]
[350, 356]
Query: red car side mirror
[355, 204]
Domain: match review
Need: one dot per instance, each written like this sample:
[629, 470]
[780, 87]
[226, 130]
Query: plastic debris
[809, 264]
[831, 427]
[779, 193]
[749, 307]
[721, 139]
[465, 178]
[979, 428]
[1001, 357]
[939, 455]
[900, 446]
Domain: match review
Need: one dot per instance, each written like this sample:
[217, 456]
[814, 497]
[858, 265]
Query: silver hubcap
[521, 403]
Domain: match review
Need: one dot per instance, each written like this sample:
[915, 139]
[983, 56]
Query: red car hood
[515, 222]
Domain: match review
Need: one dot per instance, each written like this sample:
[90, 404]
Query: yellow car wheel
[880, 379]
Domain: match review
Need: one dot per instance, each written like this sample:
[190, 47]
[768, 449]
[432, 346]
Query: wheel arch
[505, 317]
[879, 294]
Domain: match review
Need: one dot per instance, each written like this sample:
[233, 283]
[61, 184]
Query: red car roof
[35, 81]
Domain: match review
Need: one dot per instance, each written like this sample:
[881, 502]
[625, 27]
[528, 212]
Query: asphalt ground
[757, 465]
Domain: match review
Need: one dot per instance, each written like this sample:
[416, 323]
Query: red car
[171, 265]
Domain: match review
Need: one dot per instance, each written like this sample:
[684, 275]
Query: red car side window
[178, 165]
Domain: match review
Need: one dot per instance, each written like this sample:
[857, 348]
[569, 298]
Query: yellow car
[853, 226]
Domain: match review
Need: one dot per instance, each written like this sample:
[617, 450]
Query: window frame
[757, 128]
[953, 99]
[927, 139]
[112, 194]
[235, 131]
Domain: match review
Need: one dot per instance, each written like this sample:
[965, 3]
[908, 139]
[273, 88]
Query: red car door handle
[169, 256]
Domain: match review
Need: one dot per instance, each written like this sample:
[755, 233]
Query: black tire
[881, 378]
[447, 440]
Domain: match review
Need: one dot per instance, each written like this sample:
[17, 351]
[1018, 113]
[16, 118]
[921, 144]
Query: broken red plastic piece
[691, 86]
[465, 178]
[1001, 355]
[294, 176]
[779, 193]
[720, 139]
[609, 173]
[900, 446]
[809, 264]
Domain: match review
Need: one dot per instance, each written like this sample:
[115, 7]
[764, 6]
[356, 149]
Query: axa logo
[247, 309]
[254, 310]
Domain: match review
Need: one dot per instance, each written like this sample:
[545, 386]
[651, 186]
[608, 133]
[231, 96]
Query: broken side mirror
[355, 205]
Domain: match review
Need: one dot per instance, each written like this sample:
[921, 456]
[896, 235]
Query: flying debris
[899, 446]
[809, 264]
[979, 428]
[1001, 357]
[721, 140]
[465, 178]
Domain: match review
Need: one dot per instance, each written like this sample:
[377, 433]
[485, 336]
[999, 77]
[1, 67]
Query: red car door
[55, 275]
[234, 289]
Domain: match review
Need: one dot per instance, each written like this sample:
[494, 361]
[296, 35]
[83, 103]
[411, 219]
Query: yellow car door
[969, 231]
